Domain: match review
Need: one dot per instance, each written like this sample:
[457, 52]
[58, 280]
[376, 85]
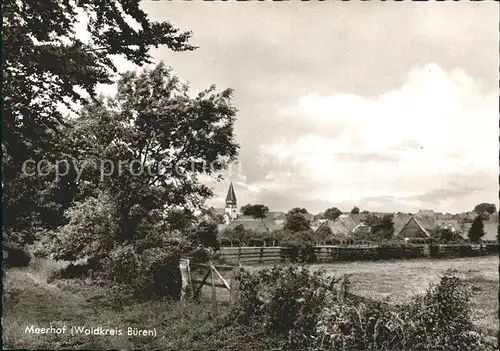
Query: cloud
[409, 144]
[343, 101]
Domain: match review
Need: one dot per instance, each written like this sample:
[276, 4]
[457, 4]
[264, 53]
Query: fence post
[234, 285]
[214, 289]
[185, 278]
[190, 282]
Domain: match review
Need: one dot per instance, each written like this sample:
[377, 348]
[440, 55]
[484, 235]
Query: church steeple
[231, 206]
[231, 197]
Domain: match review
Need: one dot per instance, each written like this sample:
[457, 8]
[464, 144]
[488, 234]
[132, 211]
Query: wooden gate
[192, 288]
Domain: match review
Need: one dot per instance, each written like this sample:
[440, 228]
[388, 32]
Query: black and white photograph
[250, 175]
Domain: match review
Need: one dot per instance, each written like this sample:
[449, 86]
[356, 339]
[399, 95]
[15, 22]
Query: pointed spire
[231, 197]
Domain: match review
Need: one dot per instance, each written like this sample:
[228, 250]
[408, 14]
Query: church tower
[231, 207]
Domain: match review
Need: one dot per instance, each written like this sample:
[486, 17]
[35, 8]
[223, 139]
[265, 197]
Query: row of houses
[406, 225]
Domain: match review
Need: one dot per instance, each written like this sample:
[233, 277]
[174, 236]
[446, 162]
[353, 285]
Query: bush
[300, 247]
[144, 263]
[290, 307]
[286, 301]
[16, 257]
[149, 273]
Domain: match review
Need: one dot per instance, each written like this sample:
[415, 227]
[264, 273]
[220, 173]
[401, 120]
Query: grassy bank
[30, 300]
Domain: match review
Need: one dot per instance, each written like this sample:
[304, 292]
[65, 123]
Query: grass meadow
[396, 281]
[29, 298]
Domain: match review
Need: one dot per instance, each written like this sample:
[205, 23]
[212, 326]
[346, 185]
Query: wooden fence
[325, 254]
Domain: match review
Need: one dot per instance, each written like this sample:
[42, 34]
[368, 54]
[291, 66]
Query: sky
[385, 106]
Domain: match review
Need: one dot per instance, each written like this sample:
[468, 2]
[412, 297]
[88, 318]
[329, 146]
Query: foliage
[366, 234]
[296, 221]
[298, 210]
[355, 210]
[15, 257]
[158, 140]
[438, 320]
[301, 246]
[205, 235]
[381, 226]
[236, 234]
[292, 307]
[46, 65]
[441, 318]
[286, 300]
[485, 207]
[142, 265]
[211, 215]
[323, 233]
[445, 235]
[258, 211]
[332, 213]
[476, 231]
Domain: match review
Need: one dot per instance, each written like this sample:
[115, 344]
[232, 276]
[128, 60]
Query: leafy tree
[211, 215]
[355, 210]
[476, 231]
[485, 208]
[332, 213]
[296, 220]
[258, 211]
[158, 140]
[238, 234]
[246, 210]
[298, 210]
[381, 226]
[46, 65]
[323, 232]
[205, 235]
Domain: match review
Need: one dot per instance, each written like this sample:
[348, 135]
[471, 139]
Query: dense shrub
[16, 257]
[14, 252]
[146, 266]
[300, 246]
[291, 307]
[441, 318]
[287, 301]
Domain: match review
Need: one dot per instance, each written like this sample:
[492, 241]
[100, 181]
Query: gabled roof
[231, 197]
[414, 220]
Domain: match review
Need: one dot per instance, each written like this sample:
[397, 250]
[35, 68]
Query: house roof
[413, 220]
[252, 224]
[341, 226]
[231, 197]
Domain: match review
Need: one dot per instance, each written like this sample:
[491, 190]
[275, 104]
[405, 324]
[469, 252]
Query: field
[398, 280]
